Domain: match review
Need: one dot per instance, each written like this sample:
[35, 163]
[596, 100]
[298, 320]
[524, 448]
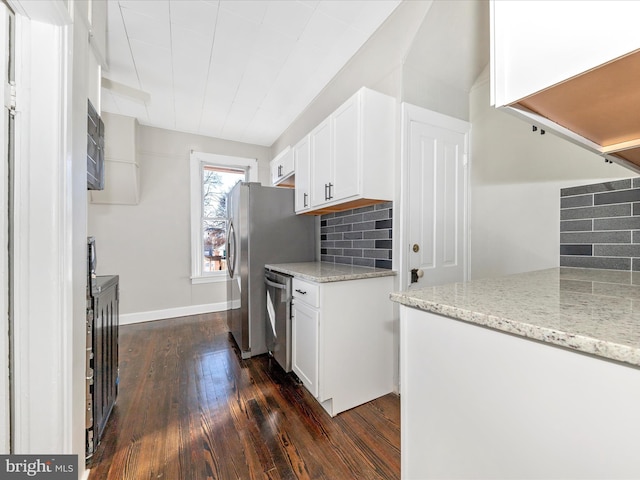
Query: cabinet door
[320, 163]
[287, 163]
[301, 153]
[305, 345]
[538, 44]
[282, 166]
[274, 172]
[346, 152]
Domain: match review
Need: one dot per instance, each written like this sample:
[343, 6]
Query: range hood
[599, 109]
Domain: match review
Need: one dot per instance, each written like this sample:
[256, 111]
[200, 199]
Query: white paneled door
[436, 196]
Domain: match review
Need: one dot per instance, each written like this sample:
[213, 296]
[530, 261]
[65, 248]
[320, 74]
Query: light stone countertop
[587, 310]
[322, 272]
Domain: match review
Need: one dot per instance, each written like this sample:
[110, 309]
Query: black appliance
[95, 149]
[102, 349]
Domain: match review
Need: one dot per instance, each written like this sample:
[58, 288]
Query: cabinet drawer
[306, 292]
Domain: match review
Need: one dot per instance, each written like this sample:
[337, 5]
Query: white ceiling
[240, 70]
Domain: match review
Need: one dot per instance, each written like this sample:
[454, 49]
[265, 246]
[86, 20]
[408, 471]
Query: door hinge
[465, 160]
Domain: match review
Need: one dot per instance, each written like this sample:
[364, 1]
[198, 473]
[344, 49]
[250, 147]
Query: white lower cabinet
[343, 340]
[478, 403]
[305, 345]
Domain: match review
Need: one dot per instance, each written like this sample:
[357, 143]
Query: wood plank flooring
[189, 408]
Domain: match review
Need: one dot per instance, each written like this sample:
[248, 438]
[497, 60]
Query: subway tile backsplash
[600, 225]
[361, 236]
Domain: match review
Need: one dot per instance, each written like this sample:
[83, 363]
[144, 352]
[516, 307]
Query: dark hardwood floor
[189, 408]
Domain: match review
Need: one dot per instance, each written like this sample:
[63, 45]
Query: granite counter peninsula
[535, 375]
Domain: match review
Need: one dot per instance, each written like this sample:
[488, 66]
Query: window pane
[215, 245]
[216, 183]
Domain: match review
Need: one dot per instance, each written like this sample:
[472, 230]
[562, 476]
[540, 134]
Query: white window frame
[197, 161]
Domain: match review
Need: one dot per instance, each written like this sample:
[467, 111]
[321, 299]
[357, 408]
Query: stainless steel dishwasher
[278, 333]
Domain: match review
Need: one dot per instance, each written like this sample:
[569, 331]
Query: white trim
[140, 317]
[435, 118]
[215, 277]
[54, 12]
[20, 219]
[250, 164]
[43, 328]
[66, 233]
[196, 161]
[5, 407]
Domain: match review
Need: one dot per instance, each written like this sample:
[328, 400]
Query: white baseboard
[139, 317]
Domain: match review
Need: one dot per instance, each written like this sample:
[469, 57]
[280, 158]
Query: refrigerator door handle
[231, 242]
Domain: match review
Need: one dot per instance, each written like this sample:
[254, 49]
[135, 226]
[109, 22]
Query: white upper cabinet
[282, 168]
[571, 67]
[321, 171]
[539, 44]
[302, 162]
[346, 166]
[352, 154]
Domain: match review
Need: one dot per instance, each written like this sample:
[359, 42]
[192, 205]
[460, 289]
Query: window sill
[213, 278]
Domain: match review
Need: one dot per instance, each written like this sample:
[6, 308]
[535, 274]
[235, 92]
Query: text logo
[50, 467]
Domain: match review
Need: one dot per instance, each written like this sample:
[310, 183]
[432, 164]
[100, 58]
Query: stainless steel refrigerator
[263, 228]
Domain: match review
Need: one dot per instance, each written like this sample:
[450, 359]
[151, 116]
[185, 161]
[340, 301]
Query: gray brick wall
[600, 225]
[361, 236]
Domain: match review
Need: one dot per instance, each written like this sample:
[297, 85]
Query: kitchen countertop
[322, 272]
[587, 310]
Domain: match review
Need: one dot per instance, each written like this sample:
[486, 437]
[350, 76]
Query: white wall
[448, 53]
[516, 177]
[56, 72]
[377, 65]
[148, 244]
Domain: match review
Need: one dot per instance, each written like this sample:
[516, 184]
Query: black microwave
[95, 149]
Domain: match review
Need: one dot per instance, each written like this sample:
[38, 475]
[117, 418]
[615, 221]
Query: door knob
[416, 247]
[416, 273]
